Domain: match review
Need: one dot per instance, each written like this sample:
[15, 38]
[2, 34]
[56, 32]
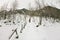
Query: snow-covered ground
[46, 31]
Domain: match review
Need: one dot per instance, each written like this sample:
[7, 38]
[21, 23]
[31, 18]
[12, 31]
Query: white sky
[24, 3]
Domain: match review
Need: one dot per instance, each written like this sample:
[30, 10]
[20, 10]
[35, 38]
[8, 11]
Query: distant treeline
[44, 12]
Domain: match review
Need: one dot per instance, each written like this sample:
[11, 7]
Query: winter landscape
[40, 23]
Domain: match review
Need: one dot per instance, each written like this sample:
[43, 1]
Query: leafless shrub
[40, 11]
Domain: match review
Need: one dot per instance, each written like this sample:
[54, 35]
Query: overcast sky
[25, 3]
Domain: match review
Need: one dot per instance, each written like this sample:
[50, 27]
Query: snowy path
[46, 31]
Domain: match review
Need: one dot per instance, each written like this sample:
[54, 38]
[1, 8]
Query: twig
[13, 33]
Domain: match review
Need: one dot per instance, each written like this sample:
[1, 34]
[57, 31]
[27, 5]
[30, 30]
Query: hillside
[51, 12]
[45, 12]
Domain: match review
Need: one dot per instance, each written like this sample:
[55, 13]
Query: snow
[46, 31]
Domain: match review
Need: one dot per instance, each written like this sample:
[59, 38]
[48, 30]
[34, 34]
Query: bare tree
[3, 11]
[24, 24]
[13, 12]
[40, 11]
[31, 11]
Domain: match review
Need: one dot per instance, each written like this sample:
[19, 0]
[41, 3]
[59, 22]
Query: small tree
[31, 12]
[40, 10]
[3, 11]
[13, 12]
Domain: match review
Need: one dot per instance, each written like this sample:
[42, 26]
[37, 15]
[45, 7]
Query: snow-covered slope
[46, 31]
